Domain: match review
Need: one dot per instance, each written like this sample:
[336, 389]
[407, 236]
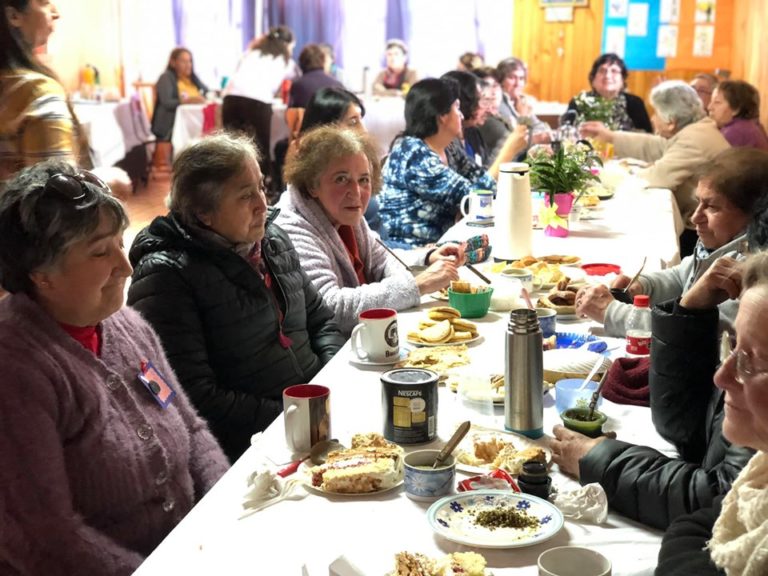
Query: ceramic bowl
[424, 483]
[471, 305]
[573, 419]
[573, 561]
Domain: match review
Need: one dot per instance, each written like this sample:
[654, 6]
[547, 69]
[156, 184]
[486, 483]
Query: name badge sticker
[156, 384]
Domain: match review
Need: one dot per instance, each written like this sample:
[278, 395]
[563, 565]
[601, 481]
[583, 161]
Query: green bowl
[471, 305]
[593, 429]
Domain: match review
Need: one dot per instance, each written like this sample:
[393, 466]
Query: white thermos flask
[513, 224]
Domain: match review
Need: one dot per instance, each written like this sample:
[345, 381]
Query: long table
[306, 536]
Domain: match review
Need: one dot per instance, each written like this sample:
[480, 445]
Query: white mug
[525, 276]
[573, 561]
[480, 205]
[375, 338]
[307, 415]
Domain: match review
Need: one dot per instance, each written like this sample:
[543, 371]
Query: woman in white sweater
[331, 179]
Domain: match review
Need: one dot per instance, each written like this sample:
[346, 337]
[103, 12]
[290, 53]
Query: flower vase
[564, 204]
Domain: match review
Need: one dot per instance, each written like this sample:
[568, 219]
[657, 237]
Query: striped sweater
[36, 123]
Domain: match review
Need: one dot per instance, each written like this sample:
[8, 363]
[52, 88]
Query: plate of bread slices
[443, 326]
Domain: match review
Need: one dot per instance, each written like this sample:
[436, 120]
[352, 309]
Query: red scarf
[350, 243]
[260, 266]
[88, 336]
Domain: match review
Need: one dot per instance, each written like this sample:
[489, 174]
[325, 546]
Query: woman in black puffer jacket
[640, 482]
[223, 287]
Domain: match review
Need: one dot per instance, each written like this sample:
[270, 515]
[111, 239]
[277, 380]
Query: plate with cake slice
[371, 466]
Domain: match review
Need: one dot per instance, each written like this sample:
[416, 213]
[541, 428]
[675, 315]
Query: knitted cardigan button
[169, 505]
[114, 382]
[161, 478]
[145, 432]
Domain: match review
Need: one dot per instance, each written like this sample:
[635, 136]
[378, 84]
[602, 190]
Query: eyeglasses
[745, 368]
[72, 186]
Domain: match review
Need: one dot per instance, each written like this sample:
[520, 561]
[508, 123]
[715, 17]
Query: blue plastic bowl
[568, 396]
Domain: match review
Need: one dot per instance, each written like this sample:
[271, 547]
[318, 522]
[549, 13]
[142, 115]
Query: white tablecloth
[635, 223]
[305, 536]
[109, 128]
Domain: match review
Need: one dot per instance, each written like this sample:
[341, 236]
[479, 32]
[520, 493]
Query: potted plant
[560, 174]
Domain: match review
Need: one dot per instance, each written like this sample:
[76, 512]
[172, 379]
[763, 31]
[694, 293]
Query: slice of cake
[369, 466]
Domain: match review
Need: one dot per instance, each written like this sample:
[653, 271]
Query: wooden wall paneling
[559, 54]
[749, 54]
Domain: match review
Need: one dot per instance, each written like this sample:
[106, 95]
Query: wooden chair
[162, 156]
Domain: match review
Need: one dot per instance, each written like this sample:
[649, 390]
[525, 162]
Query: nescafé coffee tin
[409, 404]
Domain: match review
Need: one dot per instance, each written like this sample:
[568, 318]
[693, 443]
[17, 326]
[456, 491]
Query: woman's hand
[450, 251]
[720, 282]
[596, 130]
[568, 447]
[622, 281]
[593, 301]
[438, 275]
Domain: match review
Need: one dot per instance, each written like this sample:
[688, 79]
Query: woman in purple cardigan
[101, 454]
[735, 108]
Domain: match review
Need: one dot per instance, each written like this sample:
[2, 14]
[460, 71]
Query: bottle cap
[642, 301]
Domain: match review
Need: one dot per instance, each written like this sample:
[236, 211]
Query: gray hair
[200, 171]
[38, 225]
[675, 101]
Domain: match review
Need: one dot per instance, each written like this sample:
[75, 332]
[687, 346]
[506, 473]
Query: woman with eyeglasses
[102, 454]
[224, 288]
[622, 110]
[731, 535]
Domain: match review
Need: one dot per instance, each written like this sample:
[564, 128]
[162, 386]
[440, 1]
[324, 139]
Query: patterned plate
[453, 517]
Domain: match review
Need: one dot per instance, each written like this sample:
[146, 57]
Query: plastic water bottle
[638, 327]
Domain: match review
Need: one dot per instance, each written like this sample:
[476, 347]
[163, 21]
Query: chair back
[148, 96]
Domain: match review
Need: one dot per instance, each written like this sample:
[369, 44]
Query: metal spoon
[595, 396]
[457, 437]
[635, 277]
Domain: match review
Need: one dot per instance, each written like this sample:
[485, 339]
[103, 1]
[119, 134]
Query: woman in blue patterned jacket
[421, 193]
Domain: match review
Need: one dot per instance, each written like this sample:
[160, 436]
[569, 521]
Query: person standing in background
[247, 105]
[36, 120]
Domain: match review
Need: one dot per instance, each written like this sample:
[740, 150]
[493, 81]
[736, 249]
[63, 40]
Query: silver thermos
[524, 375]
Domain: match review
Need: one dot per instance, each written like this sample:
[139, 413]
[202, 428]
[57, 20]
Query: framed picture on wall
[547, 3]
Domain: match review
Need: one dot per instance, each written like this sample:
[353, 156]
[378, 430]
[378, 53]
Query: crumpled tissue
[265, 488]
[342, 566]
[588, 503]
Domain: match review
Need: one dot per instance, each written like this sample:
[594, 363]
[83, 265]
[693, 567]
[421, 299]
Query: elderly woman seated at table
[731, 536]
[471, 145]
[99, 459]
[421, 191]
[393, 80]
[331, 179]
[686, 141]
[735, 108]
[177, 85]
[223, 287]
[728, 193]
[608, 79]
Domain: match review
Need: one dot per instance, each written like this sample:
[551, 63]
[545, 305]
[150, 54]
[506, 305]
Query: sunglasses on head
[72, 186]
